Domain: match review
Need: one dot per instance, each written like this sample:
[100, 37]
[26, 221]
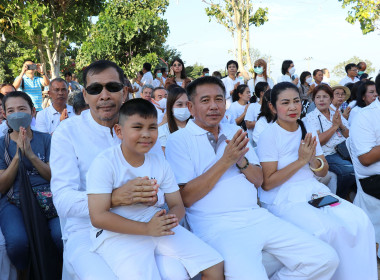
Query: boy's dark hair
[349, 66]
[315, 72]
[137, 106]
[21, 94]
[285, 66]
[98, 67]
[232, 62]
[68, 74]
[191, 88]
[205, 70]
[147, 66]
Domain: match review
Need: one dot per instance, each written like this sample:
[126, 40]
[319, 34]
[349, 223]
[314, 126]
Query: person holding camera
[31, 84]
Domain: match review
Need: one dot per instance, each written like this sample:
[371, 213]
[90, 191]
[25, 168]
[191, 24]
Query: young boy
[128, 237]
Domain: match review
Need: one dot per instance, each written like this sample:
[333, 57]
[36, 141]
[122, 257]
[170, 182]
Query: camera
[32, 67]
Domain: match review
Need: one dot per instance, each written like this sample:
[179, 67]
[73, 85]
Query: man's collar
[197, 130]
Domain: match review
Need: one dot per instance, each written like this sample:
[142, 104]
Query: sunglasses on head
[97, 88]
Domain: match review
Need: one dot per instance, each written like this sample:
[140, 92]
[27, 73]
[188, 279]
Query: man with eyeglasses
[49, 118]
[352, 72]
[75, 144]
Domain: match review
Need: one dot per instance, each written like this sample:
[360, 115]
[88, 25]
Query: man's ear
[190, 106]
[125, 94]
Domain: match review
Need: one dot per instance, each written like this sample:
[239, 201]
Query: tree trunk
[247, 38]
[239, 41]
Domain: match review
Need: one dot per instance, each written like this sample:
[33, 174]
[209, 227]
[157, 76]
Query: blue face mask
[360, 73]
[18, 119]
[258, 70]
[159, 75]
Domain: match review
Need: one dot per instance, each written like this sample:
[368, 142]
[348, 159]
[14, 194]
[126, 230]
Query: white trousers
[241, 237]
[90, 266]
[133, 256]
[345, 227]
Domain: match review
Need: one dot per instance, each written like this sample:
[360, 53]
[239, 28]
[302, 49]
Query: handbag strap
[320, 123]
[8, 159]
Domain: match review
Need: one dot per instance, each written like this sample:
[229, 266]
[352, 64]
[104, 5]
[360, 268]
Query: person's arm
[253, 173]
[45, 78]
[371, 157]
[306, 153]
[239, 119]
[200, 186]
[8, 176]
[17, 82]
[325, 136]
[175, 204]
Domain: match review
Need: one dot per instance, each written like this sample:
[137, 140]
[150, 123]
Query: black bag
[371, 185]
[342, 150]
[45, 259]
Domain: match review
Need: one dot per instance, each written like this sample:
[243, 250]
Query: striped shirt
[33, 89]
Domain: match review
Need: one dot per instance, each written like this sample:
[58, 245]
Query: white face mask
[162, 103]
[309, 80]
[181, 114]
[292, 71]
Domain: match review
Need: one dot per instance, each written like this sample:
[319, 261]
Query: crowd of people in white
[174, 178]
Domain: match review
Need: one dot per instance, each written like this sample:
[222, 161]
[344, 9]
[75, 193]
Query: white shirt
[252, 85]
[312, 120]
[110, 170]
[75, 144]
[163, 133]
[190, 154]
[260, 126]
[354, 111]
[147, 79]
[251, 115]
[287, 78]
[235, 110]
[3, 128]
[49, 118]
[347, 80]
[229, 84]
[137, 93]
[278, 144]
[365, 135]
[157, 83]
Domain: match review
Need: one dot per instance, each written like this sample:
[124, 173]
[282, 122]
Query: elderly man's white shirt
[191, 154]
[347, 80]
[365, 135]
[75, 144]
[48, 119]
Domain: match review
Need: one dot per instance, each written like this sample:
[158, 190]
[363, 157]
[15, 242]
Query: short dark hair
[217, 74]
[156, 70]
[78, 102]
[285, 66]
[377, 82]
[9, 85]
[191, 88]
[147, 66]
[315, 72]
[303, 76]
[349, 66]
[163, 69]
[326, 88]
[205, 70]
[57, 80]
[362, 89]
[232, 62]
[98, 67]
[158, 88]
[360, 64]
[137, 106]
[14, 94]
[260, 87]
[68, 73]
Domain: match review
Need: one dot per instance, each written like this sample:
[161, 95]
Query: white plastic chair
[7, 270]
[368, 203]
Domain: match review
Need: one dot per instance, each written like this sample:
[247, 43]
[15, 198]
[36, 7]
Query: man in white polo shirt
[49, 118]
[75, 144]
[352, 72]
[218, 172]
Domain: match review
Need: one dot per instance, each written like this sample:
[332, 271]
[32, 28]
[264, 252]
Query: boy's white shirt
[110, 170]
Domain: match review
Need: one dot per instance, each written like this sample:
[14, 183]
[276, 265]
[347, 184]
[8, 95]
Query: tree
[366, 12]
[237, 16]
[137, 36]
[48, 25]
[340, 72]
[256, 54]
[194, 71]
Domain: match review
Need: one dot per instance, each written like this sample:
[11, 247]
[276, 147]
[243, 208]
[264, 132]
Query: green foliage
[340, 72]
[128, 32]
[13, 55]
[194, 71]
[366, 12]
[45, 24]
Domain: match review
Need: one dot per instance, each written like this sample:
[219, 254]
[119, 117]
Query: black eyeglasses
[97, 88]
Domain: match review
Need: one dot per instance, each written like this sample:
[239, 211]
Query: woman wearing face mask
[158, 81]
[238, 108]
[305, 89]
[35, 148]
[177, 114]
[259, 75]
[178, 74]
[288, 73]
[231, 82]
[290, 155]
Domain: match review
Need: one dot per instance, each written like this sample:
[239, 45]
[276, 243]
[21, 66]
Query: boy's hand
[161, 224]
[139, 190]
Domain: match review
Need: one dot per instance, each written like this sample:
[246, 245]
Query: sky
[297, 29]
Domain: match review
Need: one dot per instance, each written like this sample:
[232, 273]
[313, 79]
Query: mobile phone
[32, 67]
[323, 201]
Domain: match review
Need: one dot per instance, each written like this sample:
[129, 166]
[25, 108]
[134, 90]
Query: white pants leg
[241, 245]
[193, 253]
[345, 227]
